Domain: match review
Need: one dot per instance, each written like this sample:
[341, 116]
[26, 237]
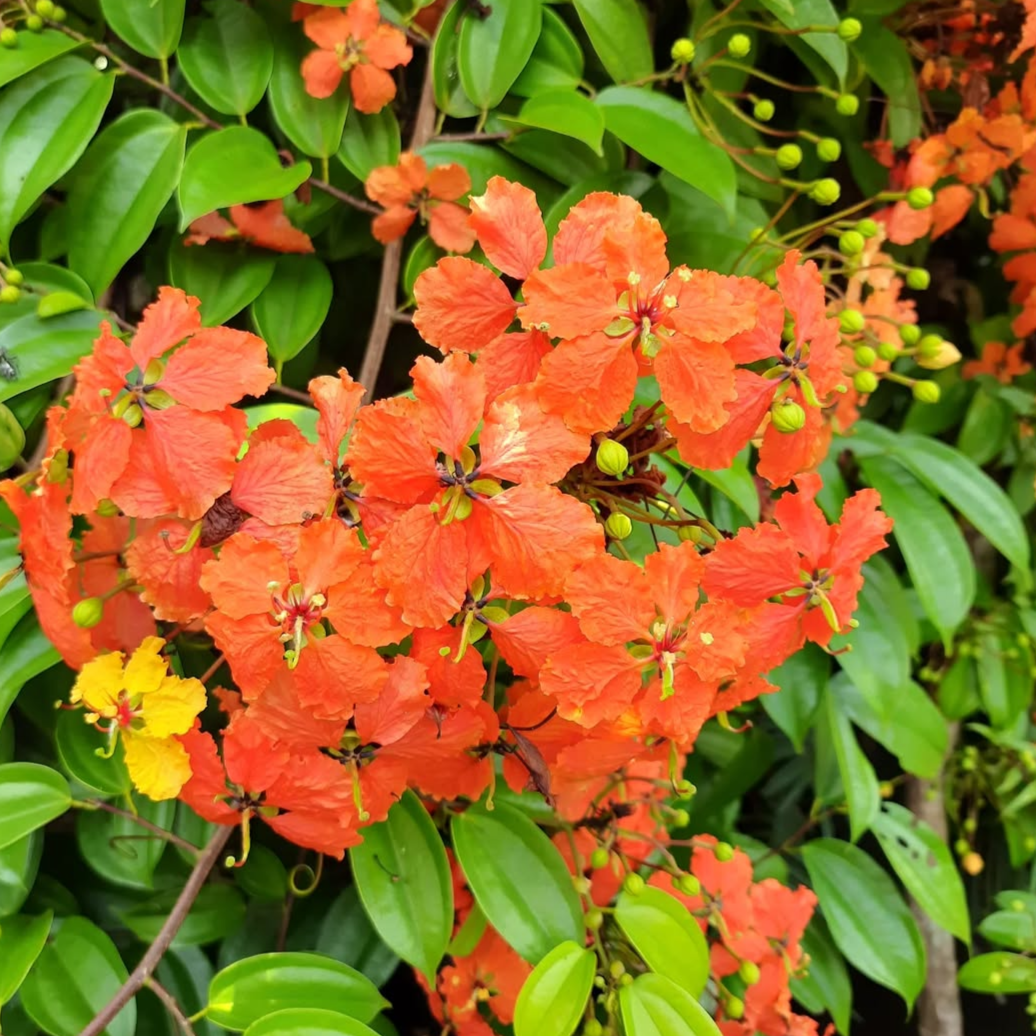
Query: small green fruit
[864, 356]
[749, 972]
[829, 149]
[865, 382]
[851, 321]
[683, 51]
[867, 227]
[88, 613]
[59, 15]
[688, 884]
[634, 884]
[851, 243]
[45, 8]
[887, 351]
[919, 198]
[826, 191]
[15, 277]
[918, 279]
[723, 851]
[34, 23]
[599, 858]
[847, 105]
[850, 29]
[10, 293]
[8, 38]
[926, 392]
[910, 335]
[740, 45]
[789, 156]
[764, 110]
[734, 1008]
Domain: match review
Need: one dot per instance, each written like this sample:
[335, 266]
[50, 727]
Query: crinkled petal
[509, 226]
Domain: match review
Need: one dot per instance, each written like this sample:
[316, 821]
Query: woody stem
[156, 951]
[158, 832]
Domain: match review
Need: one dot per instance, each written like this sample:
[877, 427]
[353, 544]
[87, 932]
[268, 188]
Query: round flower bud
[599, 858]
[789, 156]
[929, 345]
[847, 104]
[612, 457]
[764, 110]
[59, 15]
[683, 51]
[594, 919]
[734, 1008]
[826, 191]
[684, 788]
[618, 526]
[919, 197]
[10, 293]
[739, 45]
[864, 356]
[851, 321]
[867, 227]
[865, 382]
[34, 23]
[887, 351]
[973, 864]
[44, 8]
[691, 533]
[926, 392]
[14, 277]
[681, 818]
[850, 29]
[918, 279]
[946, 355]
[88, 613]
[593, 1028]
[829, 149]
[749, 972]
[851, 243]
[8, 38]
[787, 416]
[910, 335]
[688, 884]
[617, 969]
[634, 884]
[723, 851]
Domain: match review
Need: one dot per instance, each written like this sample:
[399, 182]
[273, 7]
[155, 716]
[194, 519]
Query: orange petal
[392, 224]
[165, 323]
[512, 359]
[212, 227]
[216, 368]
[282, 482]
[612, 599]
[568, 301]
[448, 227]
[327, 28]
[951, 206]
[362, 18]
[372, 88]
[510, 228]
[696, 379]
[99, 462]
[170, 581]
[674, 575]
[452, 398]
[337, 399]
[266, 225]
[592, 683]
[580, 237]
[238, 580]
[321, 73]
[386, 47]
[448, 182]
[327, 554]
[526, 640]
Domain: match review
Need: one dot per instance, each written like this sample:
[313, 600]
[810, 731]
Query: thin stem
[212, 670]
[285, 390]
[343, 196]
[170, 1004]
[458, 138]
[156, 951]
[168, 836]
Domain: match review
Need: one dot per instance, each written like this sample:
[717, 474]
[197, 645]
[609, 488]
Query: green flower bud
[850, 29]
[600, 858]
[634, 884]
[688, 884]
[826, 191]
[59, 15]
[734, 1008]
[593, 1028]
[787, 416]
[107, 508]
[749, 972]
[681, 818]
[723, 851]
[829, 149]
[683, 51]
[910, 334]
[919, 197]
[739, 45]
[12, 442]
[865, 382]
[926, 392]
[945, 355]
[15, 277]
[929, 345]
[45, 8]
[918, 279]
[851, 243]
[851, 321]
[847, 104]
[88, 613]
[691, 533]
[34, 23]
[594, 919]
[867, 227]
[618, 526]
[887, 351]
[617, 969]
[612, 457]
[864, 356]
[764, 110]
[10, 293]
[8, 38]
[789, 156]
[684, 788]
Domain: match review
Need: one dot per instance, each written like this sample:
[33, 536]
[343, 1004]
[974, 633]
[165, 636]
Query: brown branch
[166, 836]
[343, 196]
[142, 972]
[170, 1004]
[286, 390]
[457, 138]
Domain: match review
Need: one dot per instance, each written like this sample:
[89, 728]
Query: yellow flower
[146, 707]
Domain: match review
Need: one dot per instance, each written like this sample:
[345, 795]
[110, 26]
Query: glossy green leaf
[998, 973]
[225, 277]
[117, 849]
[554, 996]
[57, 303]
[403, 876]
[34, 49]
[77, 973]
[151, 28]
[292, 307]
[618, 34]
[78, 744]
[27, 652]
[314, 125]
[1012, 929]
[1004, 684]
[227, 57]
[348, 935]
[308, 1021]
[122, 184]
[567, 112]
[662, 130]
[47, 119]
[492, 50]
[449, 94]
[369, 141]
[31, 795]
[218, 911]
[234, 166]
[827, 980]
[21, 942]
[556, 62]
[469, 934]
[656, 1006]
[868, 919]
[12, 438]
[666, 937]
[44, 350]
[885, 57]
[801, 681]
[257, 986]
[987, 427]
[19, 866]
[263, 876]
[518, 879]
[859, 781]
[815, 12]
[933, 547]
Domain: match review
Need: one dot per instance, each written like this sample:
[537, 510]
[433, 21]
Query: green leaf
[19, 867]
[656, 1006]
[257, 986]
[934, 549]
[662, 130]
[859, 780]
[403, 876]
[666, 937]
[46, 349]
[1010, 928]
[27, 653]
[998, 973]
[292, 307]
[314, 125]
[21, 941]
[78, 744]
[218, 911]
[492, 50]
[885, 57]
[77, 973]
[226, 277]
[152, 29]
[117, 849]
[121, 186]
[801, 681]
[619, 36]
[369, 141]
[234, 166]
[1004, 685]
[868, 919]
[469, 934]
[227, 57]
[308, 1021]
[567, 112]
[31, 795]
[449, 94]
[554, 996]
[46, 120]
[925, 865]
[827, 980]
[263, 876]
[556, 62]
[519, 879]
[987, 427]
[348, 935]
[814, 12]
[34, 49]
[58, 302]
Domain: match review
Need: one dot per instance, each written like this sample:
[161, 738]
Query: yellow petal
[171, 709]
[146, 668]
[158, 766]
[99, 683]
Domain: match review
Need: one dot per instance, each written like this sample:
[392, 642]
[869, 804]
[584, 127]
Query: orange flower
[1003, 362]
[356, 41]
[408, 190]
[264, 225]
